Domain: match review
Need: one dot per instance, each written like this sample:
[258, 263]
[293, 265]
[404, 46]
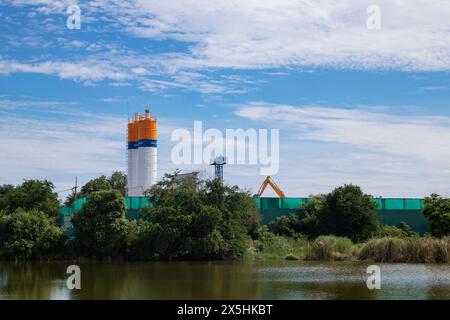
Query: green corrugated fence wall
[391, 211]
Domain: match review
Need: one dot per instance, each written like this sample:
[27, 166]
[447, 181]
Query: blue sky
[353, 105]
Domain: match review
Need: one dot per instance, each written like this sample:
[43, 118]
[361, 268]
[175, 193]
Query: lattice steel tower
[218, 164]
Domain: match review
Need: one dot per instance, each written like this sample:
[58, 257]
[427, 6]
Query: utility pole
[75, 188]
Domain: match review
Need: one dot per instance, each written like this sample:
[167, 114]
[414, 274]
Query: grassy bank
[410, 250]
[331, 248]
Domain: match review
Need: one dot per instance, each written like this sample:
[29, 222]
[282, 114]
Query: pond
[272, 279]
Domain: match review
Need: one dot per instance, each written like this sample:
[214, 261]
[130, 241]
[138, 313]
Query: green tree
[345, 212]
[197, 220]
[287, 226]
[98, 184]
[30, 234]
[118, 181]
[437, 212]
[101, 228]
[31, 194]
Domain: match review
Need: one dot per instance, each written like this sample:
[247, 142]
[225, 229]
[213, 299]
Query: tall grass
[272, 246]
[332, 248]
[410, 250]
[327, 248]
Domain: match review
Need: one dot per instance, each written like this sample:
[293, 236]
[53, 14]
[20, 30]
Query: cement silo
[142, 160]
[133, 155]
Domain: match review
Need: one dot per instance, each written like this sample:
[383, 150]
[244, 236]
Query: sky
[353, 103]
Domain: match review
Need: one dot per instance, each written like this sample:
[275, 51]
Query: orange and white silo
[147, 153]
[133, 156]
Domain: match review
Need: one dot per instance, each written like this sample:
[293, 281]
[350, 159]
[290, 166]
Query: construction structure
[218, 164]
[391, 211]
[275, 187]
[142, 153]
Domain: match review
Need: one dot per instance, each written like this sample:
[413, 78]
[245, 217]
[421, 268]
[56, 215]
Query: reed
[409, 250]
[328, 248]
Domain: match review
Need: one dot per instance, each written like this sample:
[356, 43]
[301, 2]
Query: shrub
[30, 235]
[101, 229]
[287, 226]
[437, 211]
[326, 248]
[270, 245]
[345, 212]
[406, 228]
[386, 231]
[198, 220]
[31, 194]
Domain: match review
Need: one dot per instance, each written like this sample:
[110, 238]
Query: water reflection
[223, 280]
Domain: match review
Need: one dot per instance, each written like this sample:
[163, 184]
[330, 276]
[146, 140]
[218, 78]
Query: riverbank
[270, 246]
[331, 248]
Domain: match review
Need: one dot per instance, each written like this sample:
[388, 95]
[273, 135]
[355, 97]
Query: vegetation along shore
[194, 219]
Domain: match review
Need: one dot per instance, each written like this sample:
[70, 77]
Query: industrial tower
[142, 153]
[218, 164]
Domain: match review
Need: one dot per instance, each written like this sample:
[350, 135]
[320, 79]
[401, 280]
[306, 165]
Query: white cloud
[389, 154]
[40, 145]
[86, 71]
[266, 33]
[251, 34]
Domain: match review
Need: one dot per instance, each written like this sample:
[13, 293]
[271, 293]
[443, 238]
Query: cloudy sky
[353, 104]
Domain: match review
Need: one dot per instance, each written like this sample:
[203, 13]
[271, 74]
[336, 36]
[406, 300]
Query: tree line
[190, 218]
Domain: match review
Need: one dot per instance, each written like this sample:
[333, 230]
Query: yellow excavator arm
[275, 187]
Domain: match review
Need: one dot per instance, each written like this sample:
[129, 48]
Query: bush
[197, 220]
[345, 212]
[117, 181]
[31, 194]
[386, 231]
[101, 229]
[30, 235]
[287, 226]
[271, 246]
[327, 248]
[437, 211]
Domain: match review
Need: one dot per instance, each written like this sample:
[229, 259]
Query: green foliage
[437, 211]
[287, 226]
[400, 231]
[98, 184]
[117, 181]
[101, 229]
[390, 231]
[407, 230]
[30, 235]
[346, 211]
[31, 194]
[273, 246]
[197, 220]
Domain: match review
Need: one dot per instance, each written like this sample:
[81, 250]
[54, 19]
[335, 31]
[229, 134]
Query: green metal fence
[391, 211]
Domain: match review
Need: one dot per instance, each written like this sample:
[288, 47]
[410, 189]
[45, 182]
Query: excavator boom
[275, 187]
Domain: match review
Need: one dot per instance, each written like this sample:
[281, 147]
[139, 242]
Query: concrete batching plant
[142, 153]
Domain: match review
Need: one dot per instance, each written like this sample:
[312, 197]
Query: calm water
[223, 280]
